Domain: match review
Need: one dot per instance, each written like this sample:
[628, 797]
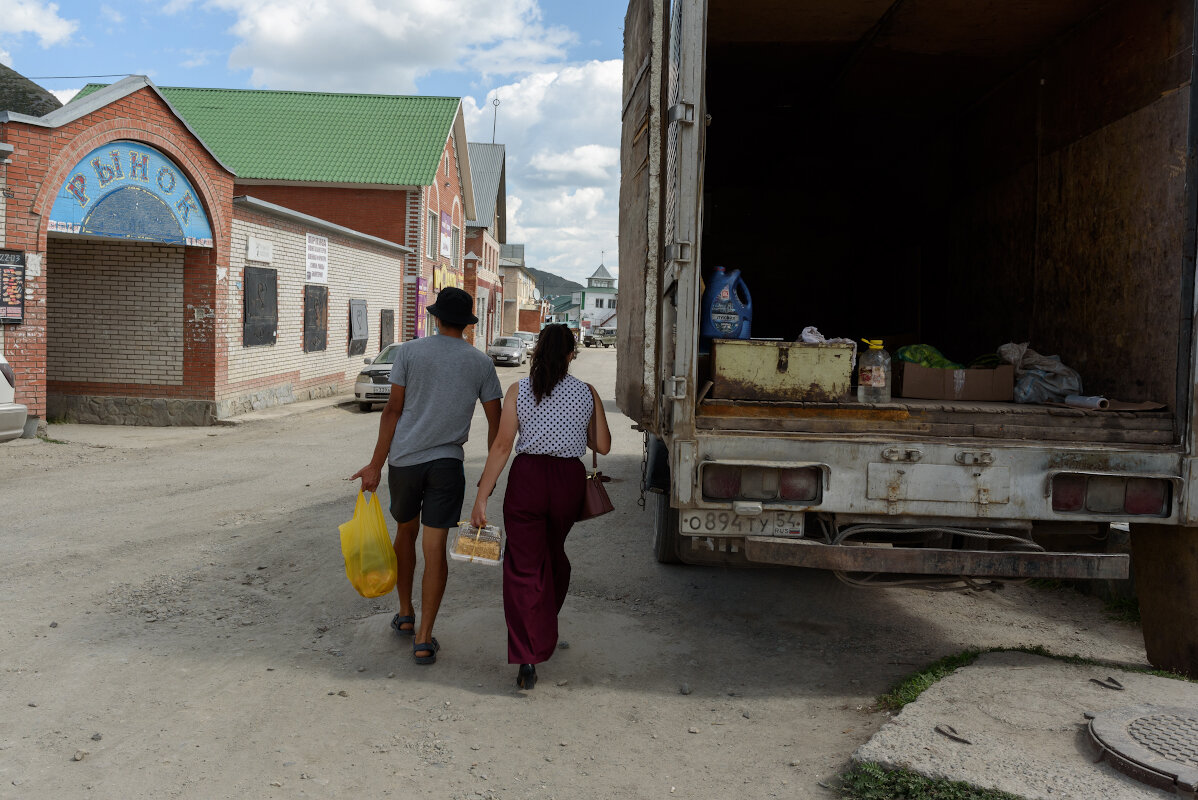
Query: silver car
[12, 414]
[507, 350]
[529, 339]
[373, 384]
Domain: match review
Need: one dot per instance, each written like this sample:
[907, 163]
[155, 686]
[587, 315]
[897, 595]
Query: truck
[959, 173]
[599, 337]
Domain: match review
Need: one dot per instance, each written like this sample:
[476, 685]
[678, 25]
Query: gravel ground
[177, 623]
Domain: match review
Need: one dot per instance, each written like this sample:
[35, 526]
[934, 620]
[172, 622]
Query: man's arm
[372, 473]
[494, 412]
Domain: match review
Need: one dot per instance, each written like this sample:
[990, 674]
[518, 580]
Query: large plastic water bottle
[726, 311]
[873, 374]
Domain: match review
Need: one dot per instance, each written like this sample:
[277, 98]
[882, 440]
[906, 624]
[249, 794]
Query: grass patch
[871, 782]
[1122, 609]
[49, 440]
[911, 687]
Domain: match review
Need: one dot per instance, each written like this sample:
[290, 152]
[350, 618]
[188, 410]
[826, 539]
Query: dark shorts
[435, 490]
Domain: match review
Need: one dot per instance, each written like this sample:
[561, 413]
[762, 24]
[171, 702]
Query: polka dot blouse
[557, 426]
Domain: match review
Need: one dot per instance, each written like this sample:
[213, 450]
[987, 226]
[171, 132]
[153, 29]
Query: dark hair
[550, 359]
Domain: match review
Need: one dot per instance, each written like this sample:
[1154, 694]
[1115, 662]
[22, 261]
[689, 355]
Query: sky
[554, 66]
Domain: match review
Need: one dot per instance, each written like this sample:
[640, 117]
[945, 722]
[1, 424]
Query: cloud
[197, 58]
[386, 46]
[591, 164]
[38, 18]
[561, 131]
[111, 14]
[64, 95]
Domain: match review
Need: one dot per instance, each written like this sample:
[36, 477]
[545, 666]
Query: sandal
[407, 619]
[431, 647]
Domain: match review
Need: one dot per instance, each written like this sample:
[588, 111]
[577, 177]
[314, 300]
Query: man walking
[435, 383]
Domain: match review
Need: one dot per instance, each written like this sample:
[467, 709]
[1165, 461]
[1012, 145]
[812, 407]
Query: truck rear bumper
[934, 561]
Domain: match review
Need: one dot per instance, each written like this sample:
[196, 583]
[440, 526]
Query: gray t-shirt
[443, 377]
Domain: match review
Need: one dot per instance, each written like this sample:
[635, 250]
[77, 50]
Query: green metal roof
[319, 137]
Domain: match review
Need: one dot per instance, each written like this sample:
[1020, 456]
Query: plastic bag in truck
[1039, 378]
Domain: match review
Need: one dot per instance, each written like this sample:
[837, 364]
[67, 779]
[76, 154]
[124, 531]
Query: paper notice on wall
[317, 259]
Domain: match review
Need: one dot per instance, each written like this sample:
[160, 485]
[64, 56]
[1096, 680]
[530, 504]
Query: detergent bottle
[726, 311]
[873, 374]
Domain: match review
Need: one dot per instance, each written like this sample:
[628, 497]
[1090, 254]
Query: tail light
[1111, 494]
[721, 482]
[769, 484]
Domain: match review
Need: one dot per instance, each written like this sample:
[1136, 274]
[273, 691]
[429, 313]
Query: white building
[597, 302]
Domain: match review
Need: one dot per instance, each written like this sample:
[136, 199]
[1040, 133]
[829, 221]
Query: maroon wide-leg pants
[544, 497]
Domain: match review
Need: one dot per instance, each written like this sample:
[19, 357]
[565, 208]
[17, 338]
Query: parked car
[599, 336]
[373, 384]
[507, 350]
[529, 339]
[12, 413]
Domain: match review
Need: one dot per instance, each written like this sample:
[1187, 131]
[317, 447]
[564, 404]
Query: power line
[73, 77]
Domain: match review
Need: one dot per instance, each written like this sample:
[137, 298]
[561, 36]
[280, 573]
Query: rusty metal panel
[359, 327]
[938, 483]
[935, 561]
[316, 318]
[641, 159]
[752, 370]
[386, 327]
[261, 301]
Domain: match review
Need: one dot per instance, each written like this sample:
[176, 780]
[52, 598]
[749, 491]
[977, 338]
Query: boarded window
[386, 327]
[316, 318]
[261, 301]
[359, 327]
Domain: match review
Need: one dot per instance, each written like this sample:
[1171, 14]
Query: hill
[549, 284]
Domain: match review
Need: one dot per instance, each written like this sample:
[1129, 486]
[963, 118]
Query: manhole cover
[1154, 744]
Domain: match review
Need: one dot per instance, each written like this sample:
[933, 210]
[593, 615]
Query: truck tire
[365, 407]
[666, 539]
[1165, 561]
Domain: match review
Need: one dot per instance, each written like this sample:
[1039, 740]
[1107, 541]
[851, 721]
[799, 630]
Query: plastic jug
[723, 314]
[873, 374]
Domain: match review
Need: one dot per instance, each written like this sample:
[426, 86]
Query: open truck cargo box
[957, 173]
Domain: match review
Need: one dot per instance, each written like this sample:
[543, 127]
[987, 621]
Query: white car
[12, 414]
[373, 384]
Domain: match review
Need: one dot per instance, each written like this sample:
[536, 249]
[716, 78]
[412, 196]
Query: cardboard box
[748, 369]
[956, 384]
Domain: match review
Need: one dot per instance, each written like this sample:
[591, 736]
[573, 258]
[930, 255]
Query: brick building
[484, 236]
[154, 283]
[392, 166]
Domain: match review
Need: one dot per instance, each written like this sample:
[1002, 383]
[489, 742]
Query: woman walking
[556, 416]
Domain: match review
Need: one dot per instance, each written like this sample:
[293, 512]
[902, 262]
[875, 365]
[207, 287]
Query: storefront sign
[12, 286]
[318, 259]
[446, 235]
[423, 301]
[128, 190]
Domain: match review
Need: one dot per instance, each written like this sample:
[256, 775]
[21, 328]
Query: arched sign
[128, 190]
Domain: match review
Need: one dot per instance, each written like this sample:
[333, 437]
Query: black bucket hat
[453, 307]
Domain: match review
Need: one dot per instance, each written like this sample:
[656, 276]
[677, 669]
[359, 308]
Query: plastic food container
[477, 545]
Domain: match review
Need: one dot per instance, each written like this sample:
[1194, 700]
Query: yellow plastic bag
[366, 545]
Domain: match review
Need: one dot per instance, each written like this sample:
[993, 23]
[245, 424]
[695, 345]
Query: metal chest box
[780, 371]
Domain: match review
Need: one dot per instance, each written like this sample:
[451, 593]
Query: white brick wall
[356, 271]
[114, 312]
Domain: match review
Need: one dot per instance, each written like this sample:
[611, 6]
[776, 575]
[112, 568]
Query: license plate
[726, 523]
[380, 388]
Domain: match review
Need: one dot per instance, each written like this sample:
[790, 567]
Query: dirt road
[177, 623]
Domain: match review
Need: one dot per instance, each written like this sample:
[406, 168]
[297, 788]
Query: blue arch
[131, 212]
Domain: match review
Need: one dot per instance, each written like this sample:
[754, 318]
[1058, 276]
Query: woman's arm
[497, 456]
[598, 434]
